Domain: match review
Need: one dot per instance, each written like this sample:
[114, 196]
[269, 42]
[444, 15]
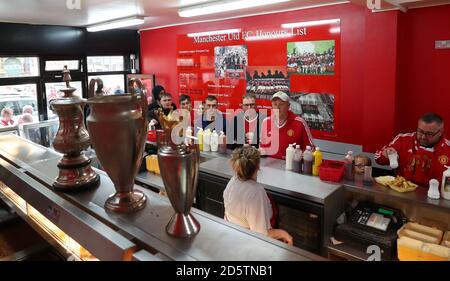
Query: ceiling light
[335, 30]
[214, 32]
[223, 6]
[116, 24]
[310, 23]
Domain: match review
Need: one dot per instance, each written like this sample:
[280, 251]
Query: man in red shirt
[247, 123]
[282, 128]
[186, 109]
[422, 155]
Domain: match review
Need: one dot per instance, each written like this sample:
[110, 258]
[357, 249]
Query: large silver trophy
[118, 128]
[75, 171]
[179, 170]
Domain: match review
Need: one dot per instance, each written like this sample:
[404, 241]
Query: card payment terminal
[372, 224]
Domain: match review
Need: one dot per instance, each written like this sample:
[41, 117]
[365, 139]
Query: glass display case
[42, 133]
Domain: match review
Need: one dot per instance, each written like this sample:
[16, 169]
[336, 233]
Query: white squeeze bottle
[307, 161]
[207, 140]
[214, 141]
[289, 157]
[445, 188]
[222, 143]
[297, 164]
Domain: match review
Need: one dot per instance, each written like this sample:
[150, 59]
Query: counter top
[274, 177]
[418, 196]
[148, 225]
[298, 183]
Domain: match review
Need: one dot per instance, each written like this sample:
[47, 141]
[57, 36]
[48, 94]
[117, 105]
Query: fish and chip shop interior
[238, 130]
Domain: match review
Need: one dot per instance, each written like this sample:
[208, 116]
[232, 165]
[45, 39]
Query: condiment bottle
[307, 161]
[289, 157]
[317, 161]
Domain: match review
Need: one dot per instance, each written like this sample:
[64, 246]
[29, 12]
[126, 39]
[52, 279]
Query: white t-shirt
[247, 205]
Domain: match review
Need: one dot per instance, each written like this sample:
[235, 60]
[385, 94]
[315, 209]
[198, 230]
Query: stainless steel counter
[419, 196]
[100, 239]
[273, 176]
[217, 239]
[416, 205]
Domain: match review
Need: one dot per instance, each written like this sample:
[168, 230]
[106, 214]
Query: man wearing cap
[282, 128]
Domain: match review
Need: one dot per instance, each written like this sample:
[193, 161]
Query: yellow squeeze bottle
[317, 161]
[157, 170]
[200, 138]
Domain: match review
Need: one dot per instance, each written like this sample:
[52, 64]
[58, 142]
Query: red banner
[301, 59]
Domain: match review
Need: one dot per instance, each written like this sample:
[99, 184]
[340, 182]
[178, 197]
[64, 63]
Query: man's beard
[429, 145]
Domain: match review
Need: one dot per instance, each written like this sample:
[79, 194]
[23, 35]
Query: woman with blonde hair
[246, 201]
[7, 114]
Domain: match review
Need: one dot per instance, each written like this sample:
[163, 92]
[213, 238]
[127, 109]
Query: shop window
[112, 84]
[58, 65]
[105, 63]
[52, 91]
[13, 67]
[20, 100]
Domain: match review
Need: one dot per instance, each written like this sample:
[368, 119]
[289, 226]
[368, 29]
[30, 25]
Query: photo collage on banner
[264, 81]
[230, 61]
[302, 61]
[312, 58]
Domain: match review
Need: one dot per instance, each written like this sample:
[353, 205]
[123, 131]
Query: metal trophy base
[126, 202]
[75, 174]
[181, 225]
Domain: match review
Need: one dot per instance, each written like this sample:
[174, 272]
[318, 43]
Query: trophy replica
[118, 128]
[75, 171]
[179, 166]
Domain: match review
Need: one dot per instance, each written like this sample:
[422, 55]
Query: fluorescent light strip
[246, 15]
[214, 32]
[116, 24]
[335, 30]
[309, 23]
[223, 6]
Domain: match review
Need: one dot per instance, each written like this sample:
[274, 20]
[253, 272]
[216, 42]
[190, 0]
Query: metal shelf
[30, 168]
[67, 224]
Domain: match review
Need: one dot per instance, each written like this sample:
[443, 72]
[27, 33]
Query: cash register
[372, 224]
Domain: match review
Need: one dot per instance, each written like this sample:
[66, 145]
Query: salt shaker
[433, 191]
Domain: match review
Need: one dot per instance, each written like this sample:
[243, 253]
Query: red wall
[379, 62]
[375, 66]
[423, 72]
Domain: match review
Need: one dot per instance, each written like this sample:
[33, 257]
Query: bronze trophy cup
[75, 171]
[179, 166]
[118, 128]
